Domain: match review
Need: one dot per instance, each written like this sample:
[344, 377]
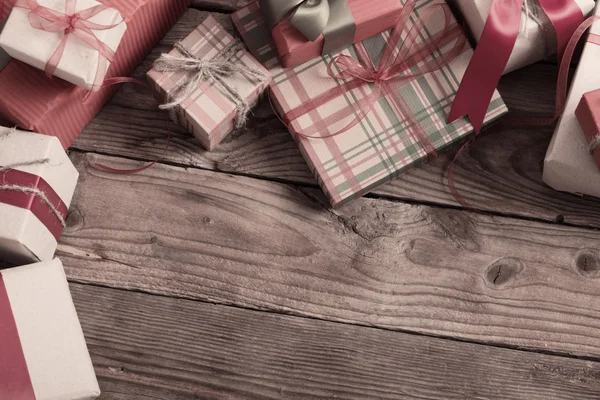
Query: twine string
[197, 70]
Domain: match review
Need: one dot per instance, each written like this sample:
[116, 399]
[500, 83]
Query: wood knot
[75, 220]
[503, 271]
[587, 263]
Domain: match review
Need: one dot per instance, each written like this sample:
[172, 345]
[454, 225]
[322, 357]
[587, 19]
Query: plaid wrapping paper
[209, 111]
[380, 147]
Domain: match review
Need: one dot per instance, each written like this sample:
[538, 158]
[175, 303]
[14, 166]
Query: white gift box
[569, 166]
[42, 349]
[79, 63]
[24, 238]
[535, 39]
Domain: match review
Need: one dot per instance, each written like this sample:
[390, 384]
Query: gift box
[568, 165]
[55, 107]
[37, 182]
[294, 48]
[537, 38]
[82, 62]
[588, 115]
[213, 105]
[43, 355]
[394, 135]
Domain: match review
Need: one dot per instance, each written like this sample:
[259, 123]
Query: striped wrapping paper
[208, 113]
[55, 107]
[380, 147]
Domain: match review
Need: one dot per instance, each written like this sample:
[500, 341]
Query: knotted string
[396, 67]
[71, 23]
[197, 70]
[27, 189]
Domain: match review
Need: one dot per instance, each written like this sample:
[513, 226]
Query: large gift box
[43, 355]
[569, 165]
[536, 40]
[86, 55]
[404, 127]
[294, 48]
[37, 182]
[217, 102]
[55, 107]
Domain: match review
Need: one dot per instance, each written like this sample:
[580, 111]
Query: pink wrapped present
[588, 115]
[55, 107]
[369, 20]
[213, 99]
[43, 355]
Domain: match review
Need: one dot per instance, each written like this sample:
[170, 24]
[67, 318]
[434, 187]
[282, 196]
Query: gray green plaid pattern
[380, 147]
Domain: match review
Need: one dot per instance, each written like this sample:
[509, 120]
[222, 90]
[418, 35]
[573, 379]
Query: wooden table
[226, 275]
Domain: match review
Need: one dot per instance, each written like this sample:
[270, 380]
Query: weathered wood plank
[236, 240]
[149, 347]
[221, 5]
[501, 173]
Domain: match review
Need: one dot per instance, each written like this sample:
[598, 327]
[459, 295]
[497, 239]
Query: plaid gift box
[381, 146]
[209, 110]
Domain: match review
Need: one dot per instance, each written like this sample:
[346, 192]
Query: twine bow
[398, 65]
[197, 70]
[71, 23]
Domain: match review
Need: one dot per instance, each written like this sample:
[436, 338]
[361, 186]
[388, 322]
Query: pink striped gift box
[55, 107]
[208, 113]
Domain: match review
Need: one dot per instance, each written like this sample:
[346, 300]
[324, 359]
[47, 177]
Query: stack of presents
[367, 92]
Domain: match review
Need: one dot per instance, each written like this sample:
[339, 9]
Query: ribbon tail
[488, 63]
[54, 60]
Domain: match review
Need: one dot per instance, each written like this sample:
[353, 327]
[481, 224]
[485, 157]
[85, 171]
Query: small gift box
[43, 355]
[569, 166]
[209, 82]
[56, 107]
[352, 141]
[536, 40]
[347, 22]
[588, 115]
[37, 181]
[72, 39]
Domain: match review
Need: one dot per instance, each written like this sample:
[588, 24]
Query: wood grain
[500, 173]
[149, 347]
[234, 240]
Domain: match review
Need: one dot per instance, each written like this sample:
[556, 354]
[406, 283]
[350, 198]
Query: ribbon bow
[495, 48]
[197, 70]
[70, 23]
[312, 18]
[413, 59]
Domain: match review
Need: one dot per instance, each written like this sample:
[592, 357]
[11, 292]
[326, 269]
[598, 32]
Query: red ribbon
[396, 67]
[71, 23]
[495, 47]
[32, 201]
[15, 382]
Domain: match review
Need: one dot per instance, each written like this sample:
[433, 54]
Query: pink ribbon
[396, 67]
[495, 47]
[70, 23]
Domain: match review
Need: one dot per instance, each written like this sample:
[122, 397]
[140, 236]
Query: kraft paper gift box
[381, 146]
[37, 182]
[209, 111]
[55, 107]
[569, 166]
[370, 19]
[43, 354]
[536, 40]
[80, 63]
